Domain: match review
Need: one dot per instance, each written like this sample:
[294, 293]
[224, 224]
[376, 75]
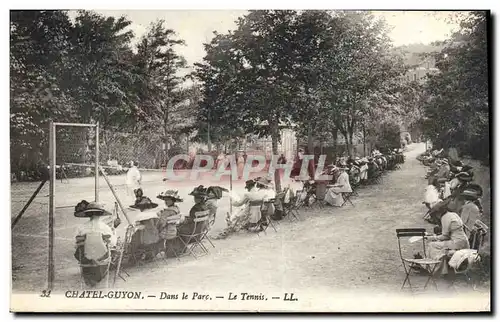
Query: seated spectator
[214, 193]
[254, 199]
[334, 193]
[145, 240]
[431, 196]
[470, 211]
[452, 237]
[188, 226]
[240, 218]
[363, 170]
[169, 217]
[373, 169]
[94, 239]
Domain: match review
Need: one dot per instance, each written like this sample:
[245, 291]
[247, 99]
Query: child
[170, 216]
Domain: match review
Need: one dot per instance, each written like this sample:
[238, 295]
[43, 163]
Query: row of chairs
[115, 255]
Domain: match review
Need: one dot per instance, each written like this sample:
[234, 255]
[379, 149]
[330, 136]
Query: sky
[196, 26]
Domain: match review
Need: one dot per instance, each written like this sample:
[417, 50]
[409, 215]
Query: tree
[217, 121]
[39, 42]
[457, 110]
[163, 100]
[365, 69]
[258, 93]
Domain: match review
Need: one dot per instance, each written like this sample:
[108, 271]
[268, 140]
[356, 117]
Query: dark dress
[188, 226]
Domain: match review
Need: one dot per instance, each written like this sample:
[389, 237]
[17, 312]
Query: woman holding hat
[253, 199]
[240, 218]
[214, 193]
[169, 217]
[93, 241]
[452, 237]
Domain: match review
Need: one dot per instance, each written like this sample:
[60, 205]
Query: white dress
[334, 194]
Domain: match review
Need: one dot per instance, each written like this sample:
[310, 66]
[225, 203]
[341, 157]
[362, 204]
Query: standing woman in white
[134, 178]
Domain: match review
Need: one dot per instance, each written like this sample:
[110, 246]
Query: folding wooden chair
[122, 250]
[195, 239]
[266, 217]
[410, 264]
[319, 194]
[292, 209]
[346, 196]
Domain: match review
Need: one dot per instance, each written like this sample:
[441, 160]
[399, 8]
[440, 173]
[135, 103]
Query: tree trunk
[351, 150]
[335, 135]
[310, 148]
[364, 141]
[310, 140]
[275, 139]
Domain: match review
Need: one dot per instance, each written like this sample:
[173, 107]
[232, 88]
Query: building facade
[420, 72]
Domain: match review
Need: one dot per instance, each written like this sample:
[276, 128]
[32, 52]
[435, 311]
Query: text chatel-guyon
[193, 296]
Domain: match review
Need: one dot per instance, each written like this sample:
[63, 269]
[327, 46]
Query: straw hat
[170, 194]
[470, 194]
[86, 209]
[464, 176]
[474, 187]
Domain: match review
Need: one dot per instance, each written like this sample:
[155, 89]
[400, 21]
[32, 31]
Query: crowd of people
[161, 230]
[454, 207]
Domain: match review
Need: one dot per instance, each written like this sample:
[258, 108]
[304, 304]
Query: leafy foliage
[457, 110]
[87, 71]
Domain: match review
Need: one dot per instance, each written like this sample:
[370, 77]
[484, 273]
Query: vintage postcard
[250, 161]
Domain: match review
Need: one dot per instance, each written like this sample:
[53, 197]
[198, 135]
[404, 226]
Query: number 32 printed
[45, 293]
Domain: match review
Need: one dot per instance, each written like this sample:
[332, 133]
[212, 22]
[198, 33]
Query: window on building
[414, 77]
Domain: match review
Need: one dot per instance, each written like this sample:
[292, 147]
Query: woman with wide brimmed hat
[470, 211]
[239, 218]
[452, 237]
[214, 194]
[188, 225]
[93, 240]
[145, 239]
[169, 218]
